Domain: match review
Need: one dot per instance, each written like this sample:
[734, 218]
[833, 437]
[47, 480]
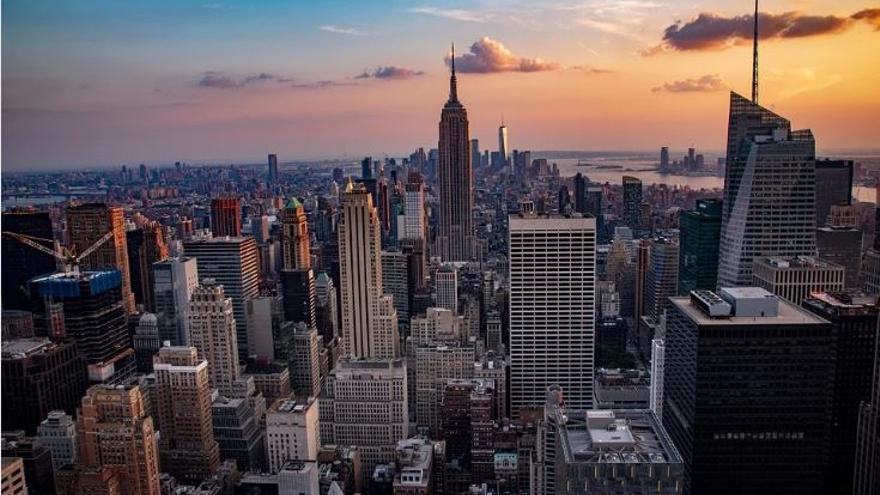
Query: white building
[364, 403]
[369, 320]
[212, 331]
[415, 217]
[438, 325]
[298, 478]
[795, 278]
[58, 434]
[552, 308]
[292, 432]
[446, 284]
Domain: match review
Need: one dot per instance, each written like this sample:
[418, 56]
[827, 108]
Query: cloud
[589, 69]
[871, 16]
[704, 84]
[488, 55]
[454, 14]
[219, 80]
[710, 31]
[389, 72]
[331, 28]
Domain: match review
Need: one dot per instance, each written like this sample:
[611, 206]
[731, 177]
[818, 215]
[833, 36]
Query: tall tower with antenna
[755, 59]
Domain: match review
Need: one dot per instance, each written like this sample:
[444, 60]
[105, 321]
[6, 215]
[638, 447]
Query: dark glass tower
[747, 393]
[855, 337]
[834, 181]
[700, 231]
[20, 262]
[632, 203]
[456, 233]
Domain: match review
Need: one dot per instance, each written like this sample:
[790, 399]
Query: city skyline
[234, 82]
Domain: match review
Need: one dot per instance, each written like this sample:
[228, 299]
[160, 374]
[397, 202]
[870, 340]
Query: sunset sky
[93, 83]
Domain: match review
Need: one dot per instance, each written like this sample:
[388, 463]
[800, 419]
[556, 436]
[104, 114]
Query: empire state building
[456, 237]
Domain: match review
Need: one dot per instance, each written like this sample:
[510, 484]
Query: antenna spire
[755, 59]
[453, 86]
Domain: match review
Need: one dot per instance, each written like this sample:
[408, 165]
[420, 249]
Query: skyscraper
[187, 447]
[446, 282]
[834, 182]
[867, 458]
[369, 320]
[145, 342]
[117, 442]
[698, 257]
[664, 160]
[632, 204]
[273, 168]
[86, 224]
[295, 236]
[854, 320]
[94, 317]
[456, 233]
[174, 280]
[503, 146]
[747, 393]
[552, 308]
[475, 153]
[415, 217]
[212, 331]
[226, 217]
[40, 376]
[20, 262]
[146, 245]
[232, 263]
[580, 193]
[769, 191]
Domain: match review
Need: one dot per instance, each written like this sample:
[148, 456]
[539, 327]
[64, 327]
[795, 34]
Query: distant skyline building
[769, 204]
[552, 309]
[632, 203]
[226, 217]
[369, 320]
[503, 144]
[273, 168]
[456, 228]
[700, 232]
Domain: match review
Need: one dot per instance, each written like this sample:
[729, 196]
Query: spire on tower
[755, 59]
[453, 89]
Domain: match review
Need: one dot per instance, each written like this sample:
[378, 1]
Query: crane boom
[89, 250]
[39, 247]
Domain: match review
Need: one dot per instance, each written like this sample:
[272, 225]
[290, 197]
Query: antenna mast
[755, 59]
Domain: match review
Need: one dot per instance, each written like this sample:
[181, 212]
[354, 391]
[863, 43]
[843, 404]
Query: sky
[103, 82]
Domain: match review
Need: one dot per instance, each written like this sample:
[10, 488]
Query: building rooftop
[794, 262]
[22, 348]
[291, 405]
[615, 436]
[787, 314]
[550, 222]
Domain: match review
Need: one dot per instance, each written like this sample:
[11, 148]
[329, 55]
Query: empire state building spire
[453, 86]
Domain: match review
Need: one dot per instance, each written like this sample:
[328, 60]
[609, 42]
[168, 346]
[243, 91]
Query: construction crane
[68, 257]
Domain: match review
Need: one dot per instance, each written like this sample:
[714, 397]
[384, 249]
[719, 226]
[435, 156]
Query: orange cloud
[487, 55]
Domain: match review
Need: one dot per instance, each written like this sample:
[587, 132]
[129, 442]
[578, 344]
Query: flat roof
[788, 314]
[19, 348]
[615, 436]
[550, 222]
